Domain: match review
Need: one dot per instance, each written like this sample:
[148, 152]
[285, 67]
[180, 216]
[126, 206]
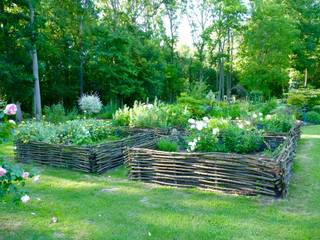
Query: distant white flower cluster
[90, 103]
[199, 125]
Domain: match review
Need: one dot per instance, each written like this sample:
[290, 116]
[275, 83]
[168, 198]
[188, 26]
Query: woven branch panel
[232, 173]
[91, 159]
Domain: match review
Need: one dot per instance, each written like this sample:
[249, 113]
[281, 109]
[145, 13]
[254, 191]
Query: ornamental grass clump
[90, 104]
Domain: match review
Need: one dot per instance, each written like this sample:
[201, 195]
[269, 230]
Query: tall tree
[35, 65]
[199, 17]
[269, 41]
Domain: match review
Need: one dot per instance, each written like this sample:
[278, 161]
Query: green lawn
[112, 207]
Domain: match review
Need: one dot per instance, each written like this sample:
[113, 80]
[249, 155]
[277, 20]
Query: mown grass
[112, 207]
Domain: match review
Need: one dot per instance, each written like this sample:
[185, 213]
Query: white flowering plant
[223, 135]
[90, 103]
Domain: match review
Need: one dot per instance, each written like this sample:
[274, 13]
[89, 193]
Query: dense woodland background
[129, 50]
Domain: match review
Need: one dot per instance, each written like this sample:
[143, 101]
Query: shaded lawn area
[111, 207]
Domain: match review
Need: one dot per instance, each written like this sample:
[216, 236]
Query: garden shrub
[268, 106]
[197, 107]
[90, 104]
[239, 140]
[108, 111]
[167, 145]
[278, 123]
[55, 113]
[304, 97]
[313, 117]
[316, 108]
[232, 110]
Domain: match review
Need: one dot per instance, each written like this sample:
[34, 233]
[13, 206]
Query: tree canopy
[130, 50]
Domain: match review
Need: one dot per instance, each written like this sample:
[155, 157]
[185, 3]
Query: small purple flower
[2, 171]
[11, 109]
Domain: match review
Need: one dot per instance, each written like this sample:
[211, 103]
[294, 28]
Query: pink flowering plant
[12, 176]
[6, 124]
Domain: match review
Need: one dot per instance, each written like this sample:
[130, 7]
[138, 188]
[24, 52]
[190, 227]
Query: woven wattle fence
[227, 172]
[91, 159]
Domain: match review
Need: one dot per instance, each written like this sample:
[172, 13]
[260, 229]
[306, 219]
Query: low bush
[55, 113]
[278, 123]
[305, 97]
[197, 107]
[266, 107]
[316, 108]
[108, 111]
[90, 104]
[167, 145]
[232, 110]
[313, 117]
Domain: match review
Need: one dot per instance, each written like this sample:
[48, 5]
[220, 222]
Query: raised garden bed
[234, 173]
[91, 159]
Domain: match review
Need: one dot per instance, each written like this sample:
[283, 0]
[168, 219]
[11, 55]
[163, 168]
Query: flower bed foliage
[236, 136]
[77, 132]
[157, 115]
[222, 135]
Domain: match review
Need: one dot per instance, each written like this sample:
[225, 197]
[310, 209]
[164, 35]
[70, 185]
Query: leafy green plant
[197, 107]
[232, 110]
[240, 140]
[167, 145]
[313, 117]
[108, 111]
[304, 97]
[55, 113]
[278, 123]
[316, 108]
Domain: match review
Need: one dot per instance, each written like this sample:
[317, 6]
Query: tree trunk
[35, 67]
[221, 72]
[229, 65]
[305, 77]
[81, 52]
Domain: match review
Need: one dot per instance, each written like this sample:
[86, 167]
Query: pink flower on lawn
[11, 109]
[2, 171]
[25, 175]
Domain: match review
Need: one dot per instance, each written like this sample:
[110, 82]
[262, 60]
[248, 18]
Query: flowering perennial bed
[92, 159]
[228, 172]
